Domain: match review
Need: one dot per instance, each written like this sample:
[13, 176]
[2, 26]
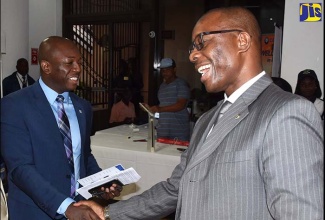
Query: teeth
[74, 78]
[202, 68]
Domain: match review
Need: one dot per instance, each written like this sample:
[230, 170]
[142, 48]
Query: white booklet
[110, 175]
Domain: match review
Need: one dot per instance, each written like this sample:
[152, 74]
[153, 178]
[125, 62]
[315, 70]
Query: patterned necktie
[64, 127]
[24, 82]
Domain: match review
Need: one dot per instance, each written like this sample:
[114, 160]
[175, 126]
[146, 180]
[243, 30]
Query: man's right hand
[88, 210]
[91, 205]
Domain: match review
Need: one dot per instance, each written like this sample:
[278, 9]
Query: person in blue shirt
[39, 174]
[173, 95]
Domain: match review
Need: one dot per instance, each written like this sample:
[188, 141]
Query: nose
[193, 57]
[77, 67]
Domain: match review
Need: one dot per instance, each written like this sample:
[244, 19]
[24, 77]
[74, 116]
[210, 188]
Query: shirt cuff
[64, 205]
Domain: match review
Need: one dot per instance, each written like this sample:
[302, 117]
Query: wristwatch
[106, 213]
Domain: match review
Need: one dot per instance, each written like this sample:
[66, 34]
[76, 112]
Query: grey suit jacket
[4, 207]
[263, 160]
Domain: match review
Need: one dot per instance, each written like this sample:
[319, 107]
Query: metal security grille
[102, 48]
[102, 42]
[108, 31]
[102, 6]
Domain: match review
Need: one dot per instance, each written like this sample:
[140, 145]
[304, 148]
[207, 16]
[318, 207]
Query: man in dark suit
[14, 82]
[39, 171]
[263, 159]
[19, 79]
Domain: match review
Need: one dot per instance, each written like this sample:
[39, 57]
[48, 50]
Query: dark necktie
[24, 82]
[64, 127]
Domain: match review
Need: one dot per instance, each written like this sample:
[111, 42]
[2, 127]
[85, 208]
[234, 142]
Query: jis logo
[310, 12]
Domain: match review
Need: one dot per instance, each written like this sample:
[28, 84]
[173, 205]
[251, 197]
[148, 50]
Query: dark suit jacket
[11, 83]
[32, 146]
[264, 159]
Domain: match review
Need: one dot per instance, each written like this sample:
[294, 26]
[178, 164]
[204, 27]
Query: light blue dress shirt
[75, 134]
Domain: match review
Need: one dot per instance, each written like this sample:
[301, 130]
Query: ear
[45, 66]
[244, 41]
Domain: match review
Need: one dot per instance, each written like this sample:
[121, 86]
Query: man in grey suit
[262, 160]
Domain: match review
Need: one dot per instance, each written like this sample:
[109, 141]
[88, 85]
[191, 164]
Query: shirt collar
[51, 94]
[20, 75]
[235, 95]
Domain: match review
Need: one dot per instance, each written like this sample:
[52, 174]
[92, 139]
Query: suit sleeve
[293, 162]
[18, 152]
[157, 202]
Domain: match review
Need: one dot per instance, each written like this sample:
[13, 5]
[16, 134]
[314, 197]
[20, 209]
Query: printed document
[125, 176]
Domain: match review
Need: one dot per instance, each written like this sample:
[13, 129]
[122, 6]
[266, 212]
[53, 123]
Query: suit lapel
[48, 121]
[205, 122]
[237, 112]
[44, 108]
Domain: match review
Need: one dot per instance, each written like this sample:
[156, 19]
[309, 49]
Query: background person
[39, 171]
[123, 80]
[18, 79]
[129, 78]
[308, 87]
[264, 159]
[123, 112]
[137, 85]
[173, 96]
[282, 83]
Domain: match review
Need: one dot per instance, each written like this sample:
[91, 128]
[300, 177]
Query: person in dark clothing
[18, 79]
[308, 87]
[282, 83]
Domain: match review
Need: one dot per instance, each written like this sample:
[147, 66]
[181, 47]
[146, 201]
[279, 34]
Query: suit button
[68, 176]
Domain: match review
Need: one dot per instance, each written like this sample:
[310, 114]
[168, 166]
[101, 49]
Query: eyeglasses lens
[197, 43]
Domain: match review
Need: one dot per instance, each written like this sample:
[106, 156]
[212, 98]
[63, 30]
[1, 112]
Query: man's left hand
[111, 192]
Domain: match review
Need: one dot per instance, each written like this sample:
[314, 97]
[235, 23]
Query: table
[116, 146]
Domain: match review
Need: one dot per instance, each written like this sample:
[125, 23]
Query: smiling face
[216, 60]
[61, 66]
[225, 58]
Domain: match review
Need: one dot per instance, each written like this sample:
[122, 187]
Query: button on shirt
[75, 133]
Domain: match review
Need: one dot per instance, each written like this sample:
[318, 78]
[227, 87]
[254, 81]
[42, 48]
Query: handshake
[105, 184]
[91, 210]
[100, 211]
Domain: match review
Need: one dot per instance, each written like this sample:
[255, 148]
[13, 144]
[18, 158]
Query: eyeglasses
[198, 41]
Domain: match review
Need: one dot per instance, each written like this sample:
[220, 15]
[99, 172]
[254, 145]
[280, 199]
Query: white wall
[303, 44]
[14, 26]
[45, 20]
[25, 24]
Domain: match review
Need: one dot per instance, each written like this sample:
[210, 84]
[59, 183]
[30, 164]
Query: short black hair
[282, 83]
